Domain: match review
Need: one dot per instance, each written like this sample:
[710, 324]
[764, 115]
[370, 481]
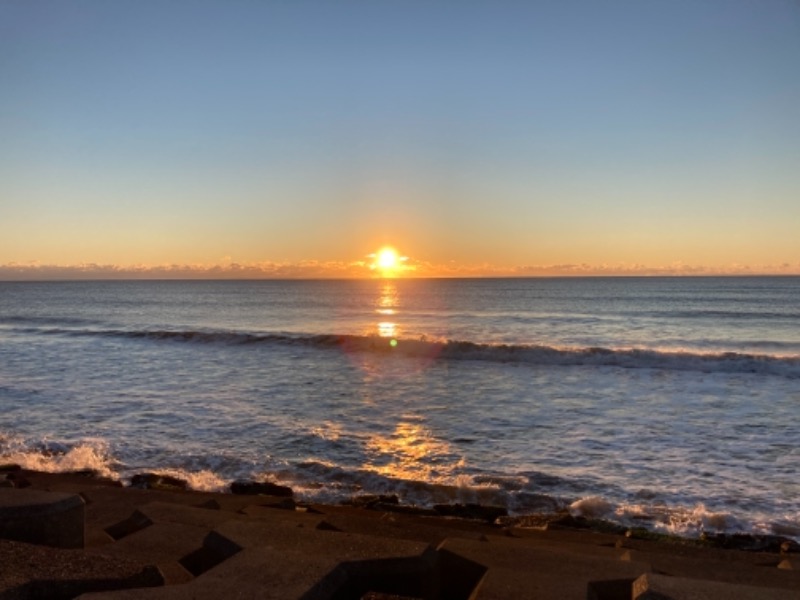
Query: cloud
[226, 270]
[313, 269]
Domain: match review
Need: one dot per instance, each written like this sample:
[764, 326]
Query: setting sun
[387, 258]
[387, 261]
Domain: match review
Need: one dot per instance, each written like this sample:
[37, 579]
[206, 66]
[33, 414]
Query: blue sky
[478, 137]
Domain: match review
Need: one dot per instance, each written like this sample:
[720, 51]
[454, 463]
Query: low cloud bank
[344, 270]
[261, 270]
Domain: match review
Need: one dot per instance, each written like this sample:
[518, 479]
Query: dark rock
[748, 542]
[267, 488]
[790, 546]
[406, 509]
[154, 481]
[476, 512]
[5, 468]
[370, 500]
[18, 480]
[536, 521]
[531, 503]
[93, 473]
[641, 533]
[308, 508]
[567, 521]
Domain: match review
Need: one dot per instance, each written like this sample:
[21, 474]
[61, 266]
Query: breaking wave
[534, 354]
[523, 494]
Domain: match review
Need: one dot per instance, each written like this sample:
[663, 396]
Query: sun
[388, 262]
[387, 258]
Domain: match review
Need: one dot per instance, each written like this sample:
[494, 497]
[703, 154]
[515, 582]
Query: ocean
[667, 403]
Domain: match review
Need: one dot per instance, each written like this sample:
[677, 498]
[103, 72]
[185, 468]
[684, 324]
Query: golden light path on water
[388, 303]
[411, 452]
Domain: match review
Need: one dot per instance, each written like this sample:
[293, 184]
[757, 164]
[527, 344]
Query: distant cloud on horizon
[312, 269]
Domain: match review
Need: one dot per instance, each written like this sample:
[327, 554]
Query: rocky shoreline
[157, 539]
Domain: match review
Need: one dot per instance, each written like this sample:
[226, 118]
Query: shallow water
[673, 403]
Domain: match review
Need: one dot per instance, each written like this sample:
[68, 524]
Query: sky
[296, 138]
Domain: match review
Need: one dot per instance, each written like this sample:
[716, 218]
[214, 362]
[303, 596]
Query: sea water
[669, 403]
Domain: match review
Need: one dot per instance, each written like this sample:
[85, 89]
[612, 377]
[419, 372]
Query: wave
[521, 495]
[737, 315]
[42, 320]
[532, 354]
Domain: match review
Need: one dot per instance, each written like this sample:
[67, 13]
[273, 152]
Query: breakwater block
[41, 517]
[652, 586]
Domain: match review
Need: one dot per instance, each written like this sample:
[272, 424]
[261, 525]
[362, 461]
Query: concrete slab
[162, 545]
[392, 525]
[306, 538]
[286, 560]
[735, 568]
[168, 512]
[41, 517]
[267, 514]
[299, 562]
[225, 546]
[661, 587]
[31, 571]
[524, 570]
[676, 559]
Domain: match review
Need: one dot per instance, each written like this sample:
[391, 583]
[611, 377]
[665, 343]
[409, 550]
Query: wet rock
[568, 521]
[475, 512]
[267, 488]
[154, 481]
[94, 473]
[406, 509]
[592, 507]
[562, 519]
[538, 504]
[535, 521]
[371, 500]
[748, 542]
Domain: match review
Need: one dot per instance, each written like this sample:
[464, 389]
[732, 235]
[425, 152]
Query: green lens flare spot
[393, 343]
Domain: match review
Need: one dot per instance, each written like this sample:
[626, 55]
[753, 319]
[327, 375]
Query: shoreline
[548, 512]
[187, 543]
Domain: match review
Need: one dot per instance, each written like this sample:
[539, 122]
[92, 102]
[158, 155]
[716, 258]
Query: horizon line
[359, 270]
[410, 278]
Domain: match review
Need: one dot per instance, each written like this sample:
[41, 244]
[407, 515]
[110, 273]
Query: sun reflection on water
[387, 329]
[385, 348]
[387, 305]
[411, 452]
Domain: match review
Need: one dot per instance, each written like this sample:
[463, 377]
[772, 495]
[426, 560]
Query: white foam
[591, 506]
[88, 455]
[680, 520]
